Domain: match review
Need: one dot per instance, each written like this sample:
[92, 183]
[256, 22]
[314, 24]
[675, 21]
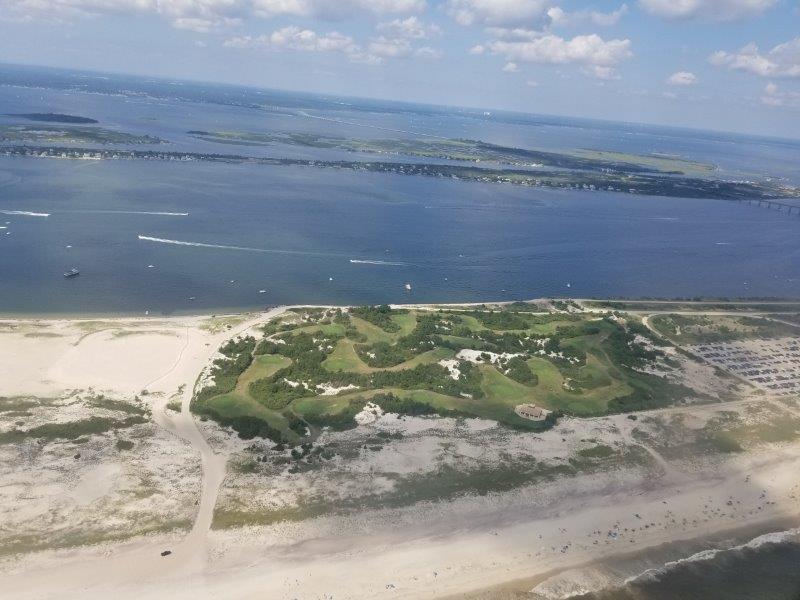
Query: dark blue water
[769, 572]
[297, 229]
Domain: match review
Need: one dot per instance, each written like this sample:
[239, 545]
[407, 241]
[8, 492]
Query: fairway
[319, 367]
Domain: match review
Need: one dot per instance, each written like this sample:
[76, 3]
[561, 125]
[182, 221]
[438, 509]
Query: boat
[73, 272]
[408, 286]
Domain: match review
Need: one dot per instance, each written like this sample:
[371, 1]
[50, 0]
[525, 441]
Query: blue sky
[713, 64]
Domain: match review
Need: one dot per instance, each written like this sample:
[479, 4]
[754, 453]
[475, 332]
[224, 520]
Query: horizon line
[326, 95]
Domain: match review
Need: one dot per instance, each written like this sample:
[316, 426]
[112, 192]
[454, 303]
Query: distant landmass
[54, 118]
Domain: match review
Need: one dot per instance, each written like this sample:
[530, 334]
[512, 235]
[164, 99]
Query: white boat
[408, 286]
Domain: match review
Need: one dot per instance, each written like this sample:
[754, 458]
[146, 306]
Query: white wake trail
[135, 212]
[357, 261]
[24, 213]
[148, 238]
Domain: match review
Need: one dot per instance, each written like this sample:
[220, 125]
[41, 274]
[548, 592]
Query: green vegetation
[71, 134]
[54, 118]
[117, 405]
[692, 330]
[519, 370]
[697, 304]
[465, 150]
[123, 445]
[567, 172]
[318, 368]
[71, 430]
[657, 162]
[380, 316]
[597, 451]
[444, 483]
[84, 536]
[17, 405]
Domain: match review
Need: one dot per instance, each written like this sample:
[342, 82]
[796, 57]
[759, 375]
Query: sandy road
[142, 560]
[192, 549]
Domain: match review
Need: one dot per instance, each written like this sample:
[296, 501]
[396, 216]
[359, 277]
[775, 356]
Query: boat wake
[23, 213]
[147, 238]
[135, 212]
[357, 261]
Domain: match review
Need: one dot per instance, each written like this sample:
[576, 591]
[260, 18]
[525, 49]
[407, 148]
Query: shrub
[380, 316]
[518, 370]
[124, 445]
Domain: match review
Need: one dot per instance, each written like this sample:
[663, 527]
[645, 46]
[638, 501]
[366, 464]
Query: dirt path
[192, 549]
[141, 559]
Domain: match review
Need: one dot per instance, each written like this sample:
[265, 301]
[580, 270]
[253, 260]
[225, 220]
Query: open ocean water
[170, 237]
[766, 568]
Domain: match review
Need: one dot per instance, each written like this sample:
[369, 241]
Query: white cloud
[713, 10]
[517, 34]
[511, 67]
[782, 61]
[410, 28]
[398, 37]
[682, 78]
[597, 56]
[477, 49]
[203, 15]
[308, 40]
[560, 18]
[427, 52]
[304, 40]
[588, 50]
[390, 47]
[774, 96]
[496, 12]
[600, 72]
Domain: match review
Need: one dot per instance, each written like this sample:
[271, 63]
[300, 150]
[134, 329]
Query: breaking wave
[707, 555]
[24, 213]
[764, 567]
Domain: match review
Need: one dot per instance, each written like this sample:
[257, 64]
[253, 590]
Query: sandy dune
[434, 551]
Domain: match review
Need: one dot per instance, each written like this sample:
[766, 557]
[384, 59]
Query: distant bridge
[772, 204]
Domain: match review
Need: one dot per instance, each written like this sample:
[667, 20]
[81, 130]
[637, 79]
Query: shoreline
[659, 554]
[242, 311]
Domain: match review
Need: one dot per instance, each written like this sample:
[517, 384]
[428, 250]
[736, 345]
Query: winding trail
[141, 559]
[192, 550]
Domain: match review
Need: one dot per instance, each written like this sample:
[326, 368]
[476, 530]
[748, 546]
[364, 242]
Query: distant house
[532, 412]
